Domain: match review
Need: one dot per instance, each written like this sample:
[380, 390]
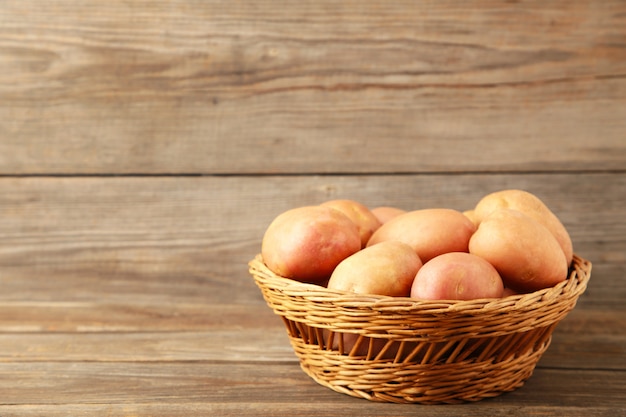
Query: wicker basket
[403, 350]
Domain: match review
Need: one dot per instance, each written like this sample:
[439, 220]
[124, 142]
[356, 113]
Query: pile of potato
[509, 243]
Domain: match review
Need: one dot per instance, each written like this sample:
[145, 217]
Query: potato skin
[523, 251]
[307, 243]
[386, 213]
[472, 216]
[509, 292]
[387, 268]
[360, 214]
[530, 205]
[430, 232]
[457, 276]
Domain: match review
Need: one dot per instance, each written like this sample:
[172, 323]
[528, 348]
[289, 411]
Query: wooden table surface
[146, 146]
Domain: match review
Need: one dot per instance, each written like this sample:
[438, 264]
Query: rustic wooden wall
[311, 87]
[145, 146]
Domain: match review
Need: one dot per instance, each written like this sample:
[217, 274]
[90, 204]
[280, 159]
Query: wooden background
[146, 145]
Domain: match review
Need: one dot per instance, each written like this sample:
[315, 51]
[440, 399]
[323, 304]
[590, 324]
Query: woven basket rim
[571, 288]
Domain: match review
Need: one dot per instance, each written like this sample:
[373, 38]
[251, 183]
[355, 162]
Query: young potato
[457, 276]
[508, 292]
[307, 243]
[523, 251]
[530, 205]
[387, 268]
[364, 219]
[386, 213]
[430, 232]
[472, 216]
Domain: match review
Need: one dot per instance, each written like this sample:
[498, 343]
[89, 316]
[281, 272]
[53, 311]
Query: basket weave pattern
[396, 349]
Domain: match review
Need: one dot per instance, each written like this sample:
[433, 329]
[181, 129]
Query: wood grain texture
[190, 238]
[146, 145]
[55, 332]
[308, 87]
[322, 408]
[219, 388]
[135, 288]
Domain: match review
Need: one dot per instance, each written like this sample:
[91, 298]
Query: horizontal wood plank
[126, 317]
[311, 87]
[585, 339]
[240, 343]
[190, 238]
[304, 409]
[228, 388]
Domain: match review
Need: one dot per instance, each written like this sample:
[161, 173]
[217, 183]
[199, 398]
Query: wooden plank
[311, 87]
[239, 343]
[65, 281]
[326, 408]
[588, 339]
[189, 239]
[585, 339]
[158, 315]
[229, 387]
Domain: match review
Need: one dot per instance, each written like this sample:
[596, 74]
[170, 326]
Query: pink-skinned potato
[457, 276]
[386, 213]
[307, 243]
[530, 205]
[509, 292]
[470, 214]
[430, 232]
[387, 268]
[524, 252]
[360, 214]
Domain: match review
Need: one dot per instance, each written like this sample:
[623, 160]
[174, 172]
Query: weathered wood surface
[313, 86]
[132, 291]
[120, 235]
[145, 146]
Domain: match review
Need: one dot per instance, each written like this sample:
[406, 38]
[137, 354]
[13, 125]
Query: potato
[387, 268]
[430, 232]
[307, 243]
[457, 276]
[530, 205]
[509, 292]
[364, 219]
[386, 213]
[472, 216]
[523, 251]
